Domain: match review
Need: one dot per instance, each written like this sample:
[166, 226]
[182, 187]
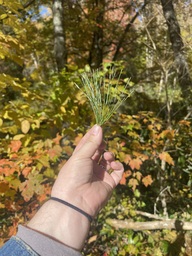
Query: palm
[85, 180]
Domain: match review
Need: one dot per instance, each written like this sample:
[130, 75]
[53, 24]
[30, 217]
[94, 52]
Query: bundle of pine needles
[105, 91]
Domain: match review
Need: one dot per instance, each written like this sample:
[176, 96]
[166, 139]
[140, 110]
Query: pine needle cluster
[105, 90]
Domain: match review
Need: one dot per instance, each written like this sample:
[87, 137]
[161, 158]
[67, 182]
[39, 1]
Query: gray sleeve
[44, 245]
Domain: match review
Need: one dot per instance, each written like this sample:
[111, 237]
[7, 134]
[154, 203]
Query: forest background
[44, 46]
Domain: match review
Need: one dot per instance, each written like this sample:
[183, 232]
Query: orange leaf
[55, 151]
[125, 175]
[127, 159]
[123, 179]
[185, 122]
[165, 156]
[12, 230]
[57, 139]
[135, 163]
[7, 167]
[147, 180]
[26, 171]
[78, 138]
[15, 145]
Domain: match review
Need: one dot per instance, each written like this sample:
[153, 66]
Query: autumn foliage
[43, 116]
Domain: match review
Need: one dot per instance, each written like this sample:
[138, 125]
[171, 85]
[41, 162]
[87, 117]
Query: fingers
[106, 160]
[117, 173]
[108, 163]
[96, 157]
[90, 143]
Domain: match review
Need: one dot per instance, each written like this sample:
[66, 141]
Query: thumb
[91, 143]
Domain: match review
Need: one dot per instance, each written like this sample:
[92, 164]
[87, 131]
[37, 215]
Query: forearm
[61, 223]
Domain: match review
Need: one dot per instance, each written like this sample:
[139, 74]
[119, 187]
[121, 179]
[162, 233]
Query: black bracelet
[90, 218]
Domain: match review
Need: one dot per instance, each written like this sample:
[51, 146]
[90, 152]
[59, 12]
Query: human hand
[85, 180]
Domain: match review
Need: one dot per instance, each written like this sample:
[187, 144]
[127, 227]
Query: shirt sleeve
[44, 245]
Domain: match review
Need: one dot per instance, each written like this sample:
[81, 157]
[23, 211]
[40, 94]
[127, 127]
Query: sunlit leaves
[31, 186]
[15, 145]
[7, 167]
[133, 183]
[135, 163]
[147, 180]
[25, 126]
[165, 156]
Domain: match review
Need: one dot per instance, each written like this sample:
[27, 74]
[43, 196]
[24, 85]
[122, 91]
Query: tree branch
[28, 3]
[150, 225]
[149, 215]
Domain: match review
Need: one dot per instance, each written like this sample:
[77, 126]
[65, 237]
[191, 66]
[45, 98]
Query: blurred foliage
[43, 116]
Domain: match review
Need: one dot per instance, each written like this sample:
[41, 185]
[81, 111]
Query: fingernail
[95, 129]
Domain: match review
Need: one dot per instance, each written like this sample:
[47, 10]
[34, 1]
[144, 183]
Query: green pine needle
[105, 92]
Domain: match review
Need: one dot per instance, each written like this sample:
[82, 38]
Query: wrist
[61, 223]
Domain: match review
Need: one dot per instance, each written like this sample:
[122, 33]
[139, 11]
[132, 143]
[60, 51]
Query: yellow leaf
[62, 108]
[49, 173]
[18, 136]
[44, 160]
[138, 175]
[3, 16]
[147, 180]
[2, 206]
[133, 183]
[166, 157]
[25, 126]
[1, 122]
[27, 140]
[36, 124]
[92, 239]
[6, 115]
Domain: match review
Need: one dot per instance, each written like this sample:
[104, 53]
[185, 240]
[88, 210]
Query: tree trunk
[185, 80]
[96, 52]
[59, 34]
[127, 28]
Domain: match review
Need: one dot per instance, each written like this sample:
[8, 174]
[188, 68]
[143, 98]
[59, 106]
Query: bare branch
[150, 215]
[30, 2]
[149, 225]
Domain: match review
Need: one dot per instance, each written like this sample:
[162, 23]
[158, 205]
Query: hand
[85, 180]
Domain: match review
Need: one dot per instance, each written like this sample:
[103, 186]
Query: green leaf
[165, 245]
